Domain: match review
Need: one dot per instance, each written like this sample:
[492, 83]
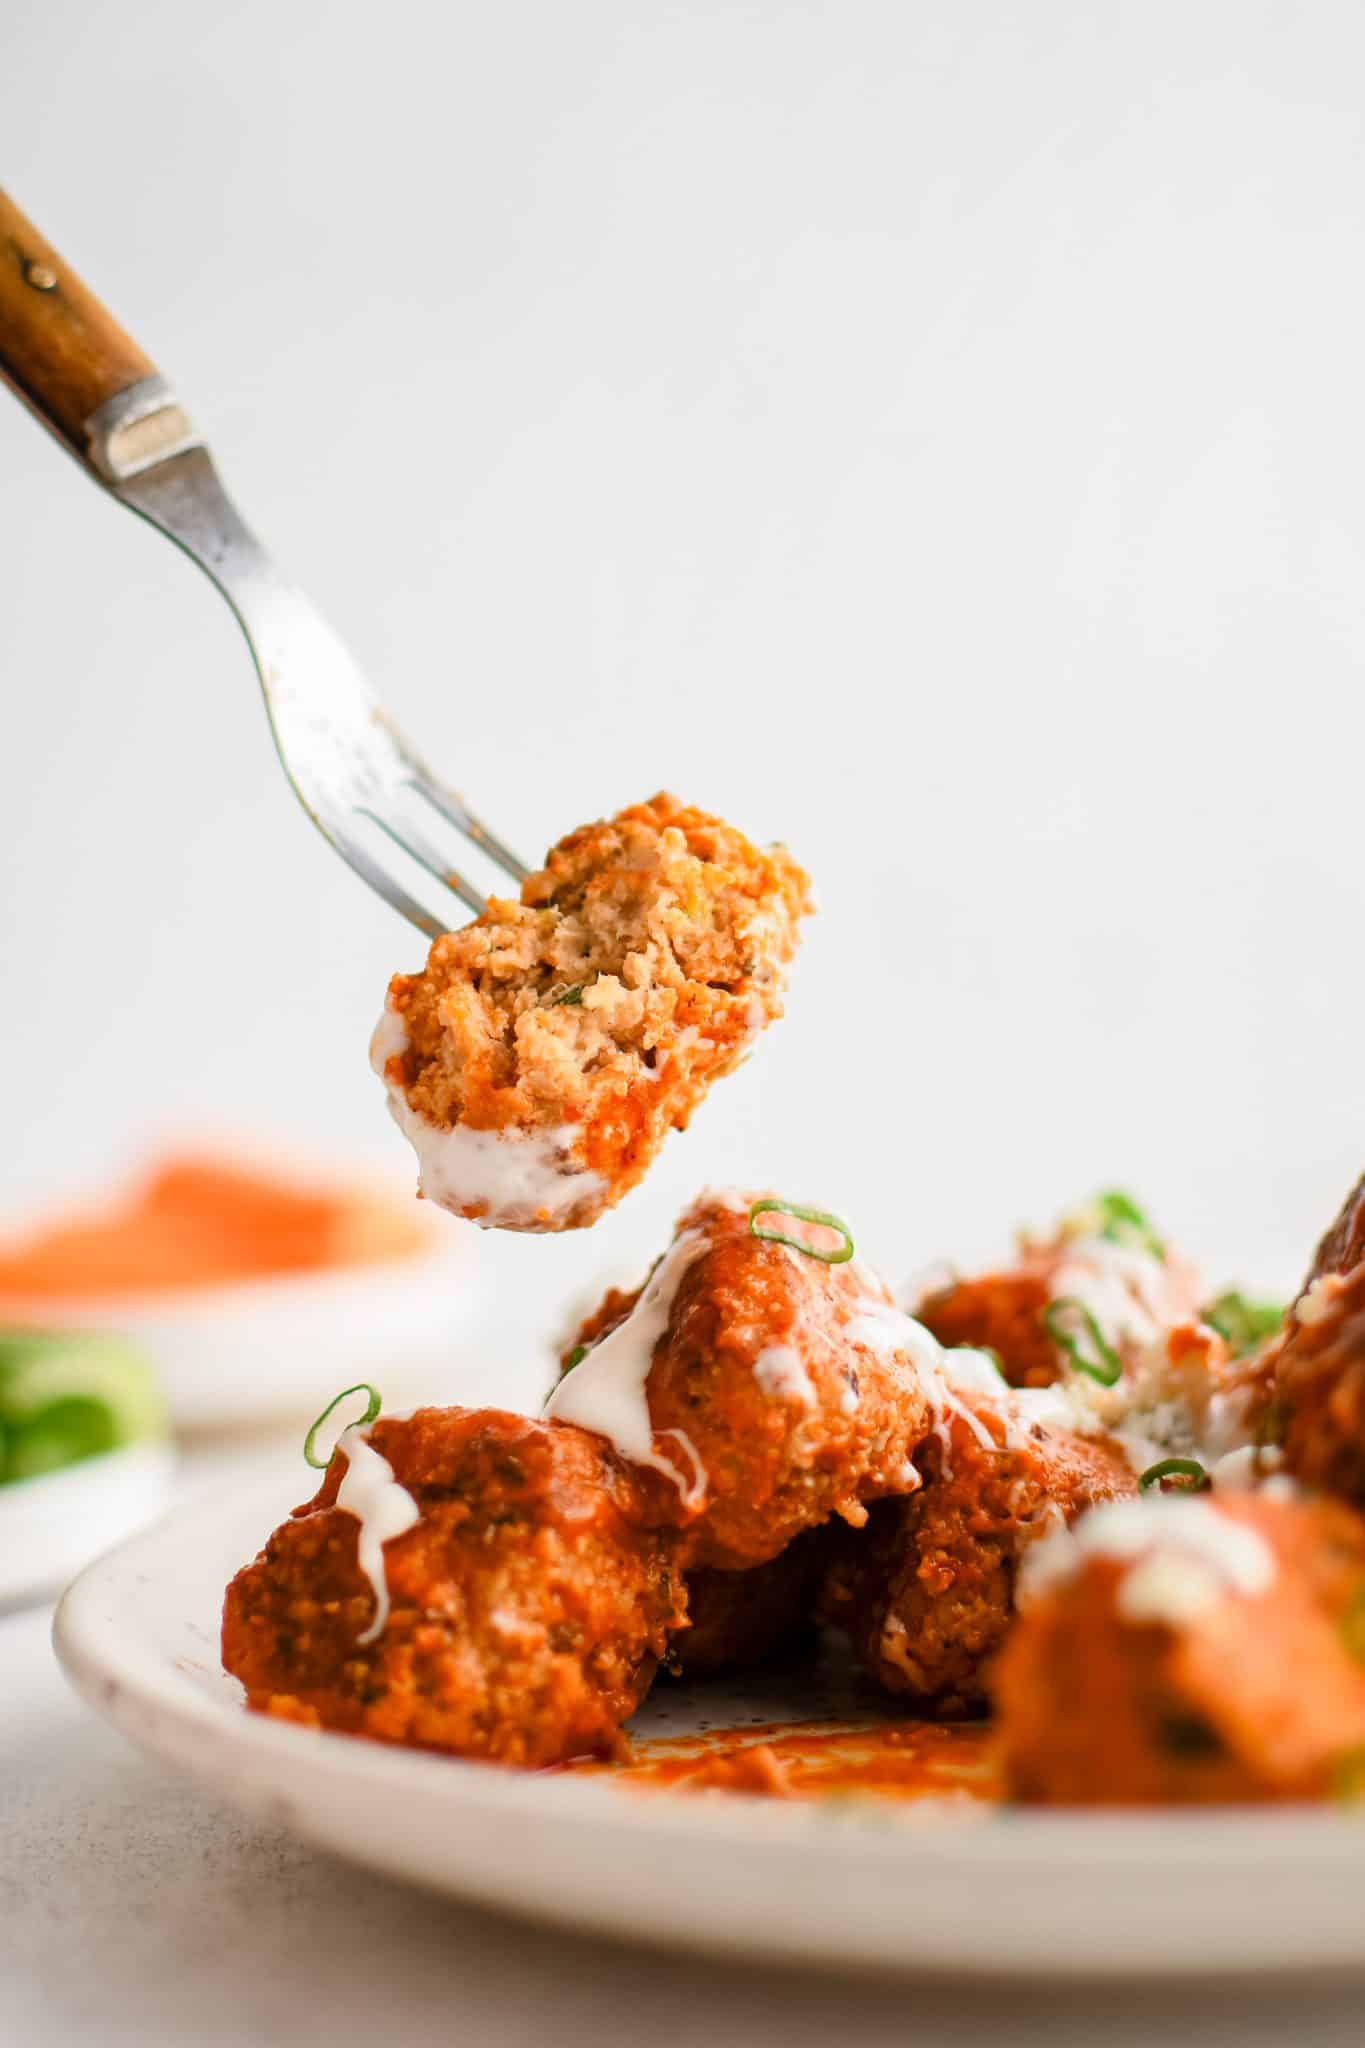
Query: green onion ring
[1244, 1323]
[568, 998]
[1106, 1367]
[1123, 1222]
[772, 1207]
[372, 1408]
[1188, 1469]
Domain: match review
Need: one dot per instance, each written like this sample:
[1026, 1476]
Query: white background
[930, 433]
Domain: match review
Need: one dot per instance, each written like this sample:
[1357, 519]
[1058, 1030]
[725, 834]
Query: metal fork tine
[337, 744]
[420, 849]
[456, 810]
[381, 882]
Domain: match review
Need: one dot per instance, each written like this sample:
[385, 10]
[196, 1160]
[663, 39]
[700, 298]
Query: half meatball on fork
[541, 1057]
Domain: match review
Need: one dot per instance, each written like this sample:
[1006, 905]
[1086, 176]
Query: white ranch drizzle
[606, 1392]
[1183, 1557]
[520, 1177]
[1124, 1289]
[781, 1373]
[1243, 1469]
[944, 1375]
[954, 1378]
[383, 1508]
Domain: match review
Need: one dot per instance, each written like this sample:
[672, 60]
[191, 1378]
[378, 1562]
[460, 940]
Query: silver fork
[105, 401]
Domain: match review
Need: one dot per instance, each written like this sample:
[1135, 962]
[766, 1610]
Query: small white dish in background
[52, 1526]
[849, 1885]
[252, 1352]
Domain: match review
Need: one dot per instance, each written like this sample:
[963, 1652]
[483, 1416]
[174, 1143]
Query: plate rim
[129, 1690]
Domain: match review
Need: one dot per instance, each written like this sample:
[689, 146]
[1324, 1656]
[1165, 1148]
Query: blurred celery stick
[71, 1395]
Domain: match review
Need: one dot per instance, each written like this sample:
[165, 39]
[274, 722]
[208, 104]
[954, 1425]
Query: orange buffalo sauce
[901, 1760]
[200, 1222]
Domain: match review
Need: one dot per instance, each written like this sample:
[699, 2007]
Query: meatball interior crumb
[641, 963]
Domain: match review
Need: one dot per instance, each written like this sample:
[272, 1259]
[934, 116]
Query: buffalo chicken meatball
[541, 1057]
[1188, 1651]
[1342, 1248]
[1102, 1278]
[1316, 1403]
[768, 1387]
[528, 1599]
[1318, 1400]
[926, 1592]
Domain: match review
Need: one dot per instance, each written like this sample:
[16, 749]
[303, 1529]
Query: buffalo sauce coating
[777, 1452]
[896, 1760]
[927, 1591]
[529, 1603]
[587, 1020]
[1229, 1678]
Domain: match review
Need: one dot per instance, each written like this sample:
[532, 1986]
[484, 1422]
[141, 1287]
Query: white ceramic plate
[50, 1527]
[902, 1888]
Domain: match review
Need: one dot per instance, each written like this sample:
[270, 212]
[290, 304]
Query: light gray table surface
[133, 1908]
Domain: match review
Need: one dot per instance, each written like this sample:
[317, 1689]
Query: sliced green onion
[820, 1217]
[1353, 1625]
[1189, 1471]
[1243, 1322]
[1123, 1222]
[569, 997]
[372, 1407]
[1103, 1362]
[1116, 1216]
[575, 1357]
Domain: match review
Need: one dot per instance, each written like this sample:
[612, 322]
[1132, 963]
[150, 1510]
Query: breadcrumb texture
[1318, 1399]
[641, 963]
[1342, 1247]
[530, 1603]
[1257, 1698]
[778, 1459]
[926, 1593]
[1315, 1399]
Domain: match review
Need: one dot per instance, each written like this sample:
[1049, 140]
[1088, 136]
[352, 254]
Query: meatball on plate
[470, 1582]
[743, 1640]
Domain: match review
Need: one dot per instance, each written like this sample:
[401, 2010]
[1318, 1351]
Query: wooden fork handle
[69, 359]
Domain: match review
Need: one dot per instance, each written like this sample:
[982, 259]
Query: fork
[91, 385]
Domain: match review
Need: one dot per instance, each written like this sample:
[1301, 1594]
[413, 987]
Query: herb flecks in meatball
[541, 1057]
